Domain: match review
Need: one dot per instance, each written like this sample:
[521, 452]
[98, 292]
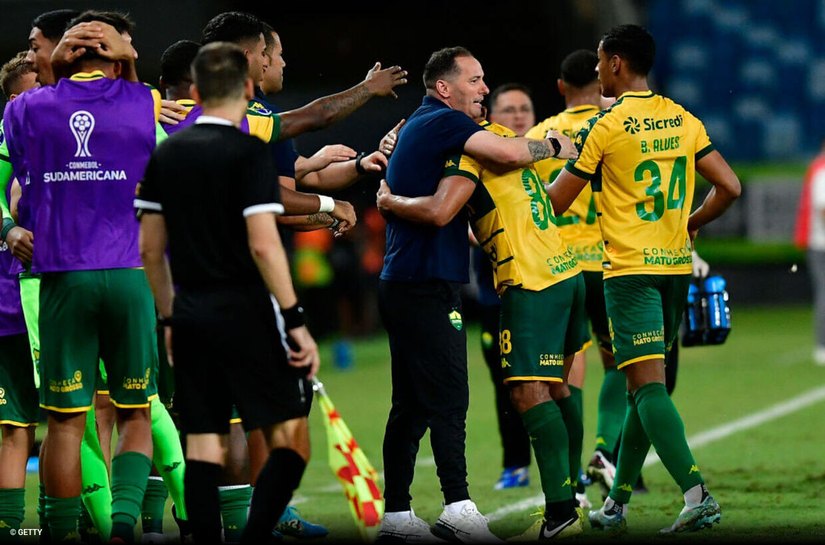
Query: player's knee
[526, 395]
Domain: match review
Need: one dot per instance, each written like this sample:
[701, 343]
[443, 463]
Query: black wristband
[556, 146]
[293, 316]
[8, 225]
[164, 322]
[358, 168]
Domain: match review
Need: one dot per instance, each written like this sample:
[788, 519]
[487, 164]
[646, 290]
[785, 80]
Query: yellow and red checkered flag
[355, 472]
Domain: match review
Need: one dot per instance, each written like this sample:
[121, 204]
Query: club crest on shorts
[455, 319]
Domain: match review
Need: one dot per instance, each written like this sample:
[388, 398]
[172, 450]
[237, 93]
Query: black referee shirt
[206, 180]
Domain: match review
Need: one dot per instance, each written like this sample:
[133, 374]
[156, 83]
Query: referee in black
[232, 316]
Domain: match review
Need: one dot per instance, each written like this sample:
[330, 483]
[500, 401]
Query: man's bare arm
[518, 152]
[340, 175]
[438, 209]
[726, 189]
[270, 258]
[327, 110]
[153, 239]
[564, 190]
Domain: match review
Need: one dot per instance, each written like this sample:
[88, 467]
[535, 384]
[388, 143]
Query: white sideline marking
[701, 439]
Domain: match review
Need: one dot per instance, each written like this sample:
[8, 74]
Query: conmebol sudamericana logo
[82, 123]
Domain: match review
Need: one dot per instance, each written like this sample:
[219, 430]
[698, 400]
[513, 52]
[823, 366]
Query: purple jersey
[11, 313]
[84, 146]
[266, 134]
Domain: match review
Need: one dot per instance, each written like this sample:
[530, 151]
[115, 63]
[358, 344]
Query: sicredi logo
[631, 125]
[82, 123]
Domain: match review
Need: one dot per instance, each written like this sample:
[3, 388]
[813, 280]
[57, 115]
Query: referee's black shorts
[228, 349]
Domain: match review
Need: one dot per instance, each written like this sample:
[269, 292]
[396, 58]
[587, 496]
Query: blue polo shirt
[417, 252]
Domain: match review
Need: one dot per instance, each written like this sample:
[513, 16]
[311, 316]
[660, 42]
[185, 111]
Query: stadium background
[753, 70]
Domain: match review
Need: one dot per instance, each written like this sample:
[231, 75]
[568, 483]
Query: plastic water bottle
[695, 329]
[718, 311]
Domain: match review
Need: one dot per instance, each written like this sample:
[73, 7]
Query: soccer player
[19, 413]
[222, 302]
[543, 322]
[579, 85]
[423, 268]
[331, 168]
[89, 261]
[648, 149]
[510, 107]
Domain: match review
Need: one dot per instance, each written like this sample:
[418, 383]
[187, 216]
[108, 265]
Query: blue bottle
[694, 330]
[718, 310]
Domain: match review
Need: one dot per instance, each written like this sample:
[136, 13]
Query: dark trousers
[428, 347]
[514, 439]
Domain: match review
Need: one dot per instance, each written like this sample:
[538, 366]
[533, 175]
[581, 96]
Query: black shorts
[228, 349]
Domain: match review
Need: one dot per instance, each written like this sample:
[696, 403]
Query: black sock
[200, 485]
[278, 479]
[560, 511]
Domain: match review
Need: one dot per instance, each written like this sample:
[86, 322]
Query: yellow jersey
[511, 219]
[258, 122]
[645, 146]
[578, 225]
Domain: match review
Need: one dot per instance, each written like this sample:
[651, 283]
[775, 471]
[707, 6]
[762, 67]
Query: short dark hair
[121, 21]
[232, 26]
[53, 23]
[579, 68]
[220, 71]
[442, 64]
[506, 88]
[12, 71]
[176, 62]
[269, 41]
[634, 44]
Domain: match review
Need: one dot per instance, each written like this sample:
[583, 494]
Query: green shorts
[594, 305]
[30, 298]
[644, 312]
[18, 395]
[540, 328]
[86, 316]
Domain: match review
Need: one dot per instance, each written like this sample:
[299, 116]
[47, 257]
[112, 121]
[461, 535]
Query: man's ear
[560, 86]
[442, 88]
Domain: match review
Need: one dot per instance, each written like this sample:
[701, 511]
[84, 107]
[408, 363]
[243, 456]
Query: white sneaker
[584, 503]
[404, 527]
[466, 526]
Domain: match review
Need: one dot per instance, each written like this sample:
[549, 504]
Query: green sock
[234, 508]
[548, 435]
[632, 453]
[130, 471]
[61, 516]
[154, 504]
[12, 511]
[41, 512]
[86, 526]
[168, 455]
[612, 409]
[666, 431]
[572, 416]
[96, 492]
